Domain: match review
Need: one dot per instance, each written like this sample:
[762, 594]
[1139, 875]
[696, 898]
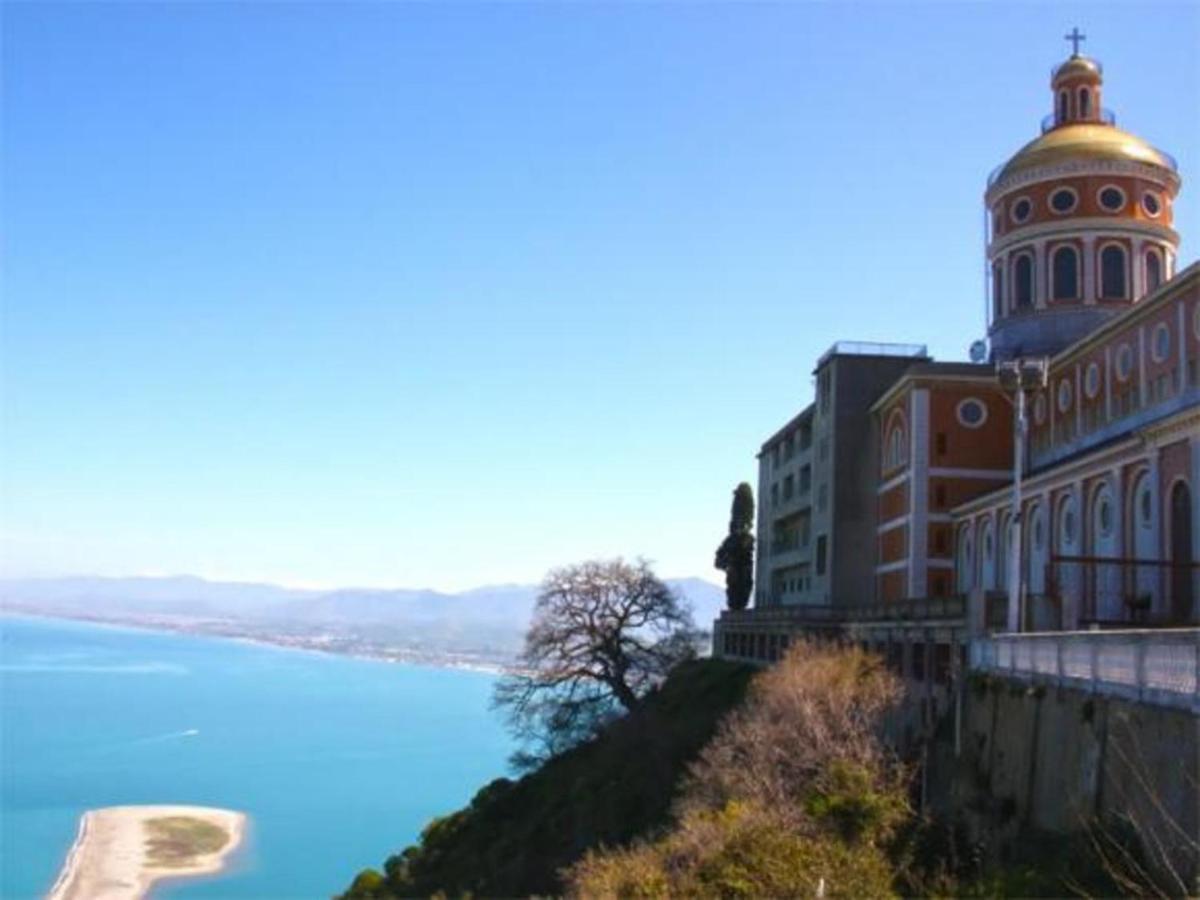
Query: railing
[1107, 117]
[1160, 667]
[901, 610]
[1110, 591]
[870, 348]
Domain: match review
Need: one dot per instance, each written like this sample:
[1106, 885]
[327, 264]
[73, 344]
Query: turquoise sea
[338, 761]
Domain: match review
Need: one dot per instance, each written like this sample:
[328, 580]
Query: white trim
[1120, 190]
[938, 562]
[892, 483]
[892, 524]
[963, 422]
[884, 568]
[1126, 287]
[1054, 193]
[948, 472]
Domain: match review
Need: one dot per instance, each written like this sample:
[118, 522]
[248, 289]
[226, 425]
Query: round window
[1112, 198]
[1124, 362]
[972, 413]
[1151, 204]
[1091, 381]
[1021, 210]
[1063, 200]
[1039, 409]
[1065, 395]
[1162, 342]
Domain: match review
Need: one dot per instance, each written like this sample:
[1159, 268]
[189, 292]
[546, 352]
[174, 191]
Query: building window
[1111, 198]
[998, 290]
[1091, 380]
[1112, 272]
[1085, 103]
[971, 412]
[1151, 204]
[1066, 273]
[1023, 281]
[894, 455]
[1153, 270]
[1063, 107]
[821, 555]
[1021, 210]
[1162, 342]
[1063, 200]
[822, 497]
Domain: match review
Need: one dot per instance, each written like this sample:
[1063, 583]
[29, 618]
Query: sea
[339, 762]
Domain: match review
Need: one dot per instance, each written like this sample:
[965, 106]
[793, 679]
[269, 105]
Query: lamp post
[1019, 376]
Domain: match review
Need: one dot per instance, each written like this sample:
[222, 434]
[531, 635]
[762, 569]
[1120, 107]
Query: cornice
[1097, 226]
[1080, 167]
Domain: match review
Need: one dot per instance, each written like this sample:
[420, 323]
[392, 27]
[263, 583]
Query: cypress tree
[735, 556]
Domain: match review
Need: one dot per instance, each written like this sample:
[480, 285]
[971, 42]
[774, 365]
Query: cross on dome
[1075, 37]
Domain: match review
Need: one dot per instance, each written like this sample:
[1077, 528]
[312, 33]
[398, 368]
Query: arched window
[893, 451]
[1153, 270]
[1023, 281]
[998, 290]
[1112, 272]
[1066, 273]
[1062, 106]
[1085, 103]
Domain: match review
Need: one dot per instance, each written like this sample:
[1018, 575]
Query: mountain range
[488, 622]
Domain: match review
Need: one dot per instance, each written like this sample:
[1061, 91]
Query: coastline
[319, 645]
[110, 859]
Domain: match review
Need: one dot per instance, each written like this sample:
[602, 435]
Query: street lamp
[1019, 376]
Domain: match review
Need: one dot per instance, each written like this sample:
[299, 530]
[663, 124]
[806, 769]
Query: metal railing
[1110, 591]
[1150, 666]
[1106, 117]
[931, 608]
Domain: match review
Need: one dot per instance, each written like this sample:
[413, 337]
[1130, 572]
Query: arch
[1085, 103]
[1154, 269]
[1143, 522]
[965, 561]
[987, 554]
[1065, 272]
[1068, 575]
[1038, 554]
[1105, 540]
[895, 445]
[1022, 281]
[1114, 275]
[1064, 109]
[1180, 519]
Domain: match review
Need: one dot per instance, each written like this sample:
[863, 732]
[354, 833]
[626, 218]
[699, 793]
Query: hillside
[514, 837]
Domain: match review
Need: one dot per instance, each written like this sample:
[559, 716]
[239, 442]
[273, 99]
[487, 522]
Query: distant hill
[488, 619]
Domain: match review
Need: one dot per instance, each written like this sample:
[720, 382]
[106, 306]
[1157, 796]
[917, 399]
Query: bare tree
[603, 634]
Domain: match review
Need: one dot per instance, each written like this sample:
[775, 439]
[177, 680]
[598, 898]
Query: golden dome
[1076, 66]
[1083, 141]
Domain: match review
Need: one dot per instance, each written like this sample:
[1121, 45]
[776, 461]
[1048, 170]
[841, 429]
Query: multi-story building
[899, 531]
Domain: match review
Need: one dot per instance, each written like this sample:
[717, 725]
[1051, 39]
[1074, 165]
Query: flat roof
[872, 348]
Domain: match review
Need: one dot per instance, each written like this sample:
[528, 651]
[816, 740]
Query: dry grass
[176, 841]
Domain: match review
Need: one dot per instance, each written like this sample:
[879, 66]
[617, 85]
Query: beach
[121, 851]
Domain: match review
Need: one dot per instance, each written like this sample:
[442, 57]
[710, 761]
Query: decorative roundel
[1063, 200]
[1091, 380]
[971, 412]
[1022, 210]
[1162, 342]
[1124, 362]
[1065, 395]
[1151, 204]
[1111, 197]
[1039, 407]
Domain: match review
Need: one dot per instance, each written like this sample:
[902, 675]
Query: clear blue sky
[447, 294]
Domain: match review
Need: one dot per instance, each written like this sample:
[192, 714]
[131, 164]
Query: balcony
[922, 610]
[1050, 122]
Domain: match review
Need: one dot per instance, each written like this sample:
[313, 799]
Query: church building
[887, 513]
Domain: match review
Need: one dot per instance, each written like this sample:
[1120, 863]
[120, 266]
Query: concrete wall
[1057, 759]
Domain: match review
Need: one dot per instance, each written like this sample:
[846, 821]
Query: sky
[447, 294]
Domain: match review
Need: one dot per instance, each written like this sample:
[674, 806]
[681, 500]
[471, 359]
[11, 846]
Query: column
[1137, 269]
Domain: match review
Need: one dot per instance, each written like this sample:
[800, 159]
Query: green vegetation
[515, 837]
[735, 556]
[175, 841]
